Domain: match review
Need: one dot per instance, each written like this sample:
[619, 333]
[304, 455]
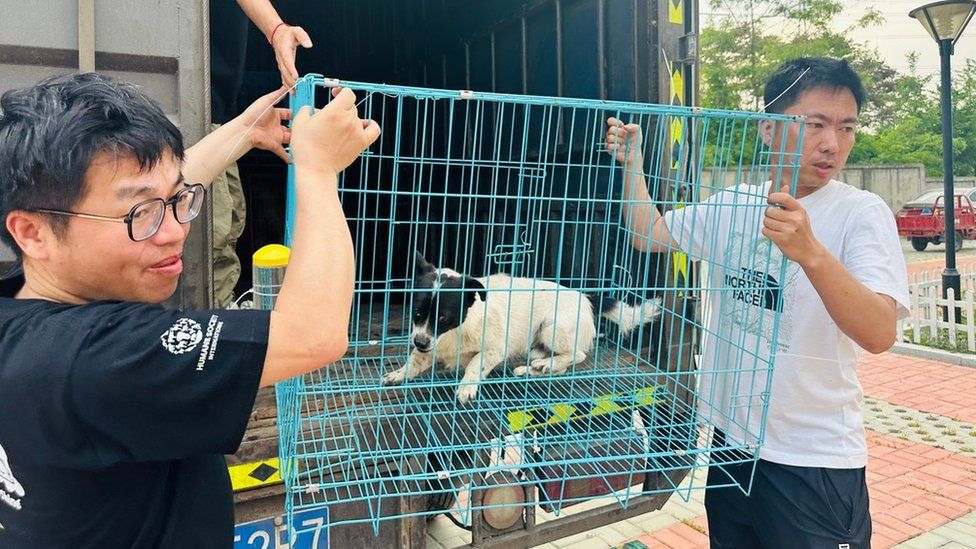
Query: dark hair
[785, 86]
[50, 132]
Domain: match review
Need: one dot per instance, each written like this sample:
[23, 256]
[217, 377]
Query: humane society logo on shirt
[11, 491]
[184, 336]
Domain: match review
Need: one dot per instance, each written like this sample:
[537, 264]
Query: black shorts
[795, 507]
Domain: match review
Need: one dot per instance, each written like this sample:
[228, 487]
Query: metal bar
[601, 45]
[564, 102]
[950, 276]
[494, 69]
[86, 35]
[104, 61]
[559, 49]
[196, 284]
[524, 54]
[467, 65]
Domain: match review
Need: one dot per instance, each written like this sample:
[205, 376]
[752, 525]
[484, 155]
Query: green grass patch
[941, 341]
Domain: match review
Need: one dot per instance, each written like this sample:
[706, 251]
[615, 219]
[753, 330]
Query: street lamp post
[945, 21]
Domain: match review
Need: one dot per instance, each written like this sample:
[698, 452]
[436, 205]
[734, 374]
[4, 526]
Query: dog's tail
[626, 316]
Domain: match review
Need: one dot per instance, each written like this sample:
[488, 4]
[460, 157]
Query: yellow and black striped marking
[676, 11]
[255, 475]
[521, 420]
[258, 474]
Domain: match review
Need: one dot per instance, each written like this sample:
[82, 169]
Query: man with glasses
[843, 290]
[145, 218]
[116, 412]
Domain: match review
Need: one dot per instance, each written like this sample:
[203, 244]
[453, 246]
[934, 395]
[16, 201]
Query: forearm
[262, 14]
[640, 213]
[866, 317]
[313, 306]
[320, 274]
[210, 156]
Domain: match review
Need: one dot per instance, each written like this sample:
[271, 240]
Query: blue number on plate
[263, 534]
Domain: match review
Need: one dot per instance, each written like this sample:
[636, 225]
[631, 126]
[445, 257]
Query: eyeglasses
[145, 218]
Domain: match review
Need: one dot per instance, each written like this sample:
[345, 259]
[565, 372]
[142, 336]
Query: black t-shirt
[228, 50]
[113, 419]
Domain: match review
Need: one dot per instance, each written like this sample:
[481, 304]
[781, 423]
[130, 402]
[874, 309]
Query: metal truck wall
[159, 45]
[629, 50]
[600, 49]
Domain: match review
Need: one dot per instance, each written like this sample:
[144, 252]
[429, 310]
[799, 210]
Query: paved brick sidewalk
[921, 495]
[922, 384]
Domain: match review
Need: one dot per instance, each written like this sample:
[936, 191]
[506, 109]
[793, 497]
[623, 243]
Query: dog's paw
[529, 371]
[541, 365]
[395, 377]
[467, 392]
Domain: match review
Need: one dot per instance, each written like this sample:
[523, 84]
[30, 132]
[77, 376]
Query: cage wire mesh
[480, 184]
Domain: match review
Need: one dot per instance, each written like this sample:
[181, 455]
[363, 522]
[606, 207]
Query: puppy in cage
[479, 323]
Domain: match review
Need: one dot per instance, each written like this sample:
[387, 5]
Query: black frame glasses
[154, 207]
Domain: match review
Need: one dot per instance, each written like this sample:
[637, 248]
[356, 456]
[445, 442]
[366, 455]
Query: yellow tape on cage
[533, 418]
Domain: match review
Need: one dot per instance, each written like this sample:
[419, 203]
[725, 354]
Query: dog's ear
[474, 288]
[423, 267]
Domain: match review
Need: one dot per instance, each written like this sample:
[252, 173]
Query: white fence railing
[926, 323]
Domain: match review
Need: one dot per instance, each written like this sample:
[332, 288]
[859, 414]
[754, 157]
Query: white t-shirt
[814, 417]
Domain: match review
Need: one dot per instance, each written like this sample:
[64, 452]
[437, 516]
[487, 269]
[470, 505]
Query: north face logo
[182, 337]
[755, 288]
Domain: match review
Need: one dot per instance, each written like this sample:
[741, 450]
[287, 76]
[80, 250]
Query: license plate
[272, 532]
[926, 211]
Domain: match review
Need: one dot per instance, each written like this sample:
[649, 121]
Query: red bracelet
[271, 40]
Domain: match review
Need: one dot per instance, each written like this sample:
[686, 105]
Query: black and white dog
[478, 323]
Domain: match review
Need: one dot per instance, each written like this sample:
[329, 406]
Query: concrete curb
[928, 353]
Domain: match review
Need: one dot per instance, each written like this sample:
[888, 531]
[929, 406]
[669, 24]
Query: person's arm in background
[259, 126]
[623, 141]
[284, 38]
[310, 321]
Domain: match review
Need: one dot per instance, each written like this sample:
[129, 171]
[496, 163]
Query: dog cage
[483, 183]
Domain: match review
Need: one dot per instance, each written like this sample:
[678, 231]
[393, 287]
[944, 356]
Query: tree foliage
[901, 122]
[913, 131]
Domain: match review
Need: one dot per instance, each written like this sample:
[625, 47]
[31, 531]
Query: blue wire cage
[484, 183]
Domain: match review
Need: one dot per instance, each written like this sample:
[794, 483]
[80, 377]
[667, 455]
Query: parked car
[922, 219]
